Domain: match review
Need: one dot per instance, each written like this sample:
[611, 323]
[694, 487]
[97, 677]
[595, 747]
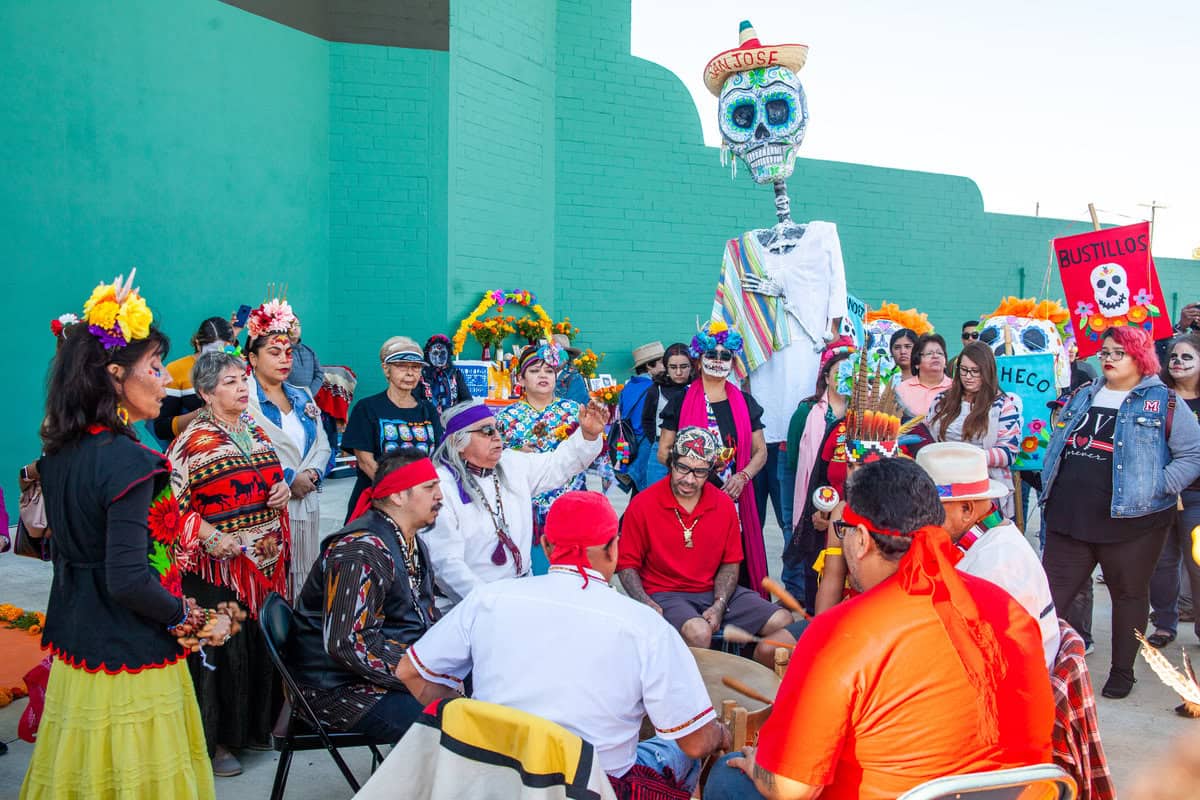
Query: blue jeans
[655, 470]
[1174, 566]
[766, 486]
[390, 717]
[729, 783]
[792, 576]
[661, 754]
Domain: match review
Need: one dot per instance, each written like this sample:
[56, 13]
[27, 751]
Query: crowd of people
[473, 559]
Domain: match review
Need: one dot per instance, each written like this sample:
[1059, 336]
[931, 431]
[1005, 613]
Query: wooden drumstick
[741, 688]
[733, 633]
[785, 597]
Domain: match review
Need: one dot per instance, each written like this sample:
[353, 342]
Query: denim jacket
[1148, 471]
[299, 398]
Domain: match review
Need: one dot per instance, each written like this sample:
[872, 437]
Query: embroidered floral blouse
[523, 427]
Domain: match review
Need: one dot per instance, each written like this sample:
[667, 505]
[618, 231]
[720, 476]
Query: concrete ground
[1133, 730]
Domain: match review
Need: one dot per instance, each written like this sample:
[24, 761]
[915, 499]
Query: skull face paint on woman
[439, 355]
[1184, 362]
[717, 363]
[763, 114]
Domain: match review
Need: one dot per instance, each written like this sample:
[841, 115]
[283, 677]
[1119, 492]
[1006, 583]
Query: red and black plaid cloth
[1077, 747]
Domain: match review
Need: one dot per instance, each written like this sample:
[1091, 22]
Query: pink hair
[1138, 346]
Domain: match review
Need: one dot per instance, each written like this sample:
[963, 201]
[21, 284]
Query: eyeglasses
[722, 355]
[1111, 355]
[697, 472]
[932, 355]
[487, 431]
[970, 372]
[973, 335]
[841, 528]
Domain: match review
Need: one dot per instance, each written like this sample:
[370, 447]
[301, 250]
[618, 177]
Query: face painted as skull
[439, 355]
[1111, 290]
[763, 114]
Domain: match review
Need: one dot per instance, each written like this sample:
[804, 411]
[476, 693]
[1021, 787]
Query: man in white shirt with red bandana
[569, 648]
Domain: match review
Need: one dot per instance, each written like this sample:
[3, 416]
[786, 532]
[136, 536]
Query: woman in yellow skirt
[120, 719]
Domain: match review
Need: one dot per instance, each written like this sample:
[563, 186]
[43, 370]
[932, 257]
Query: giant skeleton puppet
[782, 288]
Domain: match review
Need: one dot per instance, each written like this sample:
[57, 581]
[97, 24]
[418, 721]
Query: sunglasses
[718, 355]
[841, 528]
[967, 336]
[487, 431]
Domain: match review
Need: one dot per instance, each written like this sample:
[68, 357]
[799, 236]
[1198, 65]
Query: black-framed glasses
[970, 372]
[722, 355]
[1111, 355]
[972, 335]
[487, 431]
[697, 472]
[841, 528]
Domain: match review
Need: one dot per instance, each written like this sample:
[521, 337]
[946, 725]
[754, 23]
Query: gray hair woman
[485, 530]
[226, 475]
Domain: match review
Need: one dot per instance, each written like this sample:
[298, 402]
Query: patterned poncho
[215, 479]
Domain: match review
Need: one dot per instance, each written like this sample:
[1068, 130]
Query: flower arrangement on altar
[491, 332]
[609, 395]
[588, 363]
[499, 298]
[529, 328]
[566, 329]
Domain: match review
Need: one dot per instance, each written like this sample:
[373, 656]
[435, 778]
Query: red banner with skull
[1109, 280]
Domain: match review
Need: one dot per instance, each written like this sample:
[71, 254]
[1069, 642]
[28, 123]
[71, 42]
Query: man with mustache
[368, 596]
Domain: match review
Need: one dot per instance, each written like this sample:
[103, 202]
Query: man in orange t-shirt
[930, 672]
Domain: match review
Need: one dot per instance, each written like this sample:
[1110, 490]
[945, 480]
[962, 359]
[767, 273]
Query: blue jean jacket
[1148, 471]
[299, 398]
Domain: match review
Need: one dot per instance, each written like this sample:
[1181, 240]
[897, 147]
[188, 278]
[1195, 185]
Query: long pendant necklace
[687, 529]
[500, 522]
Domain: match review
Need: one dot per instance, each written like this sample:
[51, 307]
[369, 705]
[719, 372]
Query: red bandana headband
[405, 477]
[928, 569]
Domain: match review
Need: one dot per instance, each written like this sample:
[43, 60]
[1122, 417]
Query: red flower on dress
[164, 519]
[173, 581]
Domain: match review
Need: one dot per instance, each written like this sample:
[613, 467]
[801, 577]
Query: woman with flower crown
[292, 421]
[120, 716]
[230, 483]
[715, 403]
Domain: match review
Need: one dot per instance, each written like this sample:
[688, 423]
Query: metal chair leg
[376, 758]
[350, 779]
[281, 772]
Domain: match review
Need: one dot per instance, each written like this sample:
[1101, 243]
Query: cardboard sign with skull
[1110, 280]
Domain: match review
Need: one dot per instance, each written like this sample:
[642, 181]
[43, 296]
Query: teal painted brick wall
[387, 171]
[187, 138]
[502, 177]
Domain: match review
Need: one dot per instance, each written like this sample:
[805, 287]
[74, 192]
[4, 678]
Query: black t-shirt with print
[1081, 504]
[378, 426]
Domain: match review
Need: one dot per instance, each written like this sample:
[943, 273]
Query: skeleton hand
[765, 286]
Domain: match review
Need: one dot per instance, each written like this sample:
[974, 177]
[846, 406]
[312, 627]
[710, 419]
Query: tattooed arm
[770, 785]
[632, 583]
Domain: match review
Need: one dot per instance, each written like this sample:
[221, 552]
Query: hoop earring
[123, 414]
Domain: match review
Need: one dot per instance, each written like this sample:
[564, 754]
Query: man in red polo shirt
[929, 672]
[681, 548]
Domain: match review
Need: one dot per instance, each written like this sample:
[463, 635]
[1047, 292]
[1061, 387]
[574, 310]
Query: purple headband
[467, 417]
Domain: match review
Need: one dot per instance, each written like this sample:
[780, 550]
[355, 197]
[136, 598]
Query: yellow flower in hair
[103, 292]
[717, 326]
[135, 318]
[103, 314]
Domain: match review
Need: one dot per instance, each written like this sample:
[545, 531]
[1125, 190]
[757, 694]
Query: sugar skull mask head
[763, 116]
[763, 112]
[1033, 327]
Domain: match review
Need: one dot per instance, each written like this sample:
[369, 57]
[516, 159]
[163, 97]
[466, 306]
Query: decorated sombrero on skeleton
[751, 54]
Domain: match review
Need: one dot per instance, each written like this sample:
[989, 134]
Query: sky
[1046, 105]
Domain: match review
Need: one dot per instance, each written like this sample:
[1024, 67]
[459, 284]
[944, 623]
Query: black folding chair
[304, 730]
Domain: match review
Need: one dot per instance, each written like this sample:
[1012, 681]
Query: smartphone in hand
[243, 314]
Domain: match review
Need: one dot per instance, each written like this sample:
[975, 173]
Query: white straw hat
[960, 472]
